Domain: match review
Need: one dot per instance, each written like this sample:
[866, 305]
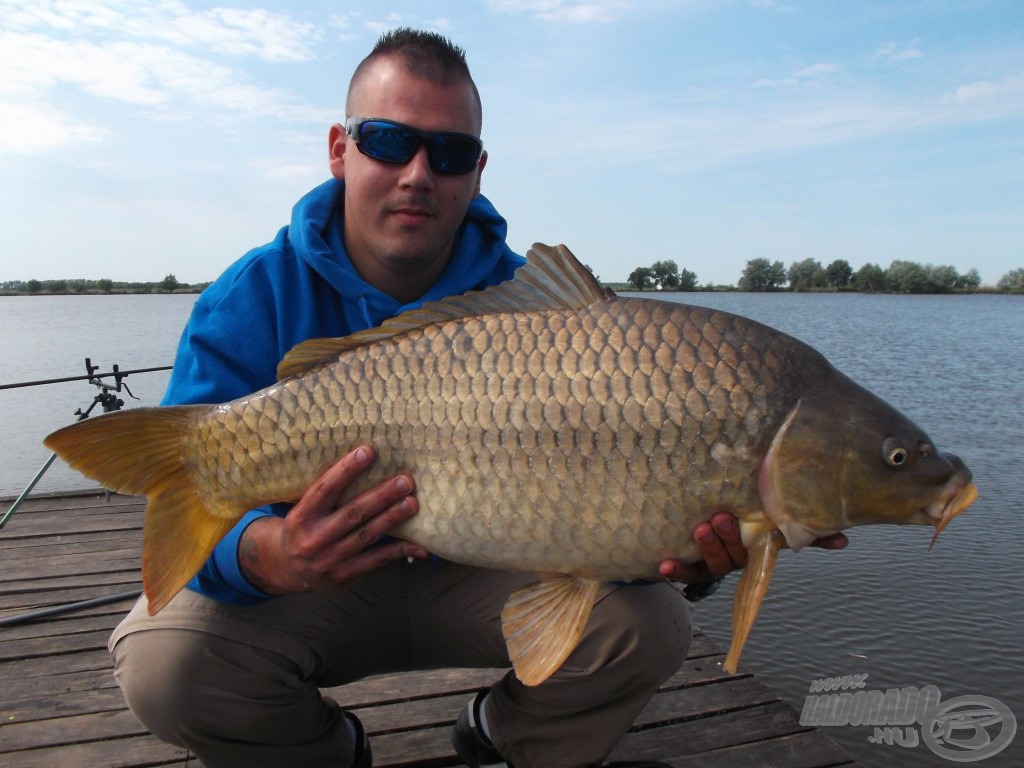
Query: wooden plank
[100, 726]
[130, 752]
[675, 741]
[43, 667]
[100, 618]
[808, 749]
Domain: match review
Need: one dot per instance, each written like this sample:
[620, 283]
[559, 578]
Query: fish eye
[894, 453]
[925, 449]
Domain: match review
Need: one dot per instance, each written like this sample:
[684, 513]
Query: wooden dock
[59, 704]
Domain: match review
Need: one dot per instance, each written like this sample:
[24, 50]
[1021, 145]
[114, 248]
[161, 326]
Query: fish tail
[139, 451]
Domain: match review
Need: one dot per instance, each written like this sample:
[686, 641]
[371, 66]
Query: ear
[479, 172]
[337, 143]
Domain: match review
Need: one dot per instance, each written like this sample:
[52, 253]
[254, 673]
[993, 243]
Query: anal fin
[544, 621]
[762, 553]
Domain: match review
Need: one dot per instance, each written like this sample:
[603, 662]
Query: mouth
[942, 512]
[412, 214]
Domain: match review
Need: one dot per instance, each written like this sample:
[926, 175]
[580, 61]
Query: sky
[139, 139]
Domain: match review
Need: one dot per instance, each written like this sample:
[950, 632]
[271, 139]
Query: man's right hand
[322, 547]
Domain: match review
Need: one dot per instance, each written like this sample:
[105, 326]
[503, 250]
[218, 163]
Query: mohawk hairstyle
[427, 54]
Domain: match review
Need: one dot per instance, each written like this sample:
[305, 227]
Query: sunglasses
[391, 142]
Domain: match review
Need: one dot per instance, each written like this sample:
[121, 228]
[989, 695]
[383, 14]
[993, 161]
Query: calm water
[952, 617]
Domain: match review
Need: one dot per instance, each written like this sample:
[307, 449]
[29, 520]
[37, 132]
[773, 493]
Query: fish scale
[551, 427]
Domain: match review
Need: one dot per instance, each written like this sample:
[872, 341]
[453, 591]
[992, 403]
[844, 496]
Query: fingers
[322, 497]
[721, 550]
[354, 568]
[363, 520]
[720, 544]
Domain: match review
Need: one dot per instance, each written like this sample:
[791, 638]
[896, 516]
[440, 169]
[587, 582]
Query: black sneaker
[477, 751]
[364, 756]
[470, 743]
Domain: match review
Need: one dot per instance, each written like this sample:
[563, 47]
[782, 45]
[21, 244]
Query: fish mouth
[961, 496]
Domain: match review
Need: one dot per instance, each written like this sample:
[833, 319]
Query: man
[289, 603]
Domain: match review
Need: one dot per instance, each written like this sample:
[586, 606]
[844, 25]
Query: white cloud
[985, 99]
[27, 128]
[894, 52]
[806, 74]
[227, 31]
[128, 60]
[575, 11]
[771, 5]
[977, 91]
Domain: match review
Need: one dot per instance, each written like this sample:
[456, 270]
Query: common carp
[551, 427]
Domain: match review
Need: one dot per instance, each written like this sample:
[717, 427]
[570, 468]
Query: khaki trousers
[239, 686]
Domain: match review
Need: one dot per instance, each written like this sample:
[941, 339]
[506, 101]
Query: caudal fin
[140, 451]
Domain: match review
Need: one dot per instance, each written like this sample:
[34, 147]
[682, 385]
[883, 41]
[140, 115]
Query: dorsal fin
[552, 278]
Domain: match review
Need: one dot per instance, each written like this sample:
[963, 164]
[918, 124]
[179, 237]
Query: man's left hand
[723, 551]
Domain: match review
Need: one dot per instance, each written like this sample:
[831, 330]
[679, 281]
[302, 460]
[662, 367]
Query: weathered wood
[60, 705]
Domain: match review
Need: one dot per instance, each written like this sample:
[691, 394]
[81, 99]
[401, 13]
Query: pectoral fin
[750, 591]
[544, 621]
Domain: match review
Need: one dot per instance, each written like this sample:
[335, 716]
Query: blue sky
[142, 138]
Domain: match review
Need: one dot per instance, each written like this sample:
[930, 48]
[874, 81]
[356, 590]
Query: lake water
[887, 607]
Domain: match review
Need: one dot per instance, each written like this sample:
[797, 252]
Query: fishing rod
[116, 373]
[57, 610]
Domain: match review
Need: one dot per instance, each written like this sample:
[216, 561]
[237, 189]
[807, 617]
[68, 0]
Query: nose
[417, 173]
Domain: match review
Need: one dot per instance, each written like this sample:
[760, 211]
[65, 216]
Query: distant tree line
[169, 284]
[811, 275]
[900, 277]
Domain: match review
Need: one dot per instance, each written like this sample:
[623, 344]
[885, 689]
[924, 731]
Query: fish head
[844, 457]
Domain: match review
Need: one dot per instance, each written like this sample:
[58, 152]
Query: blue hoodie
[302, 286]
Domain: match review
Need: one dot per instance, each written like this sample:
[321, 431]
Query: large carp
[551, 427]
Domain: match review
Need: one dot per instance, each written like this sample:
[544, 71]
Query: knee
[158, 675]
[647, 628]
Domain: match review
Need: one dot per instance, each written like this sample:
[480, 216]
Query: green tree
[869, 279]
[906, 277]
[34, 286]
[666, 275]
[801, 274]
[1012, 281]
[169, 284]
[839, 274]
[642, 278]
[687, 280]
[941, 279]
[762, 275]
[970, 281]
[104, 284]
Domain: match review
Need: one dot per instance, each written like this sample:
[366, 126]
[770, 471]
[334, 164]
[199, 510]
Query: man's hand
[320, 546]
[723, 551]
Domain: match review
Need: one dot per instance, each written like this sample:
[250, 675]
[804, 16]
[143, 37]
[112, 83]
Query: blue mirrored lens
[395, 143]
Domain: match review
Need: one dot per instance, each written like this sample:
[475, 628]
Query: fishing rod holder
[107, 397]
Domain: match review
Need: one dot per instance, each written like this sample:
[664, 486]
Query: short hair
[426, 54]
